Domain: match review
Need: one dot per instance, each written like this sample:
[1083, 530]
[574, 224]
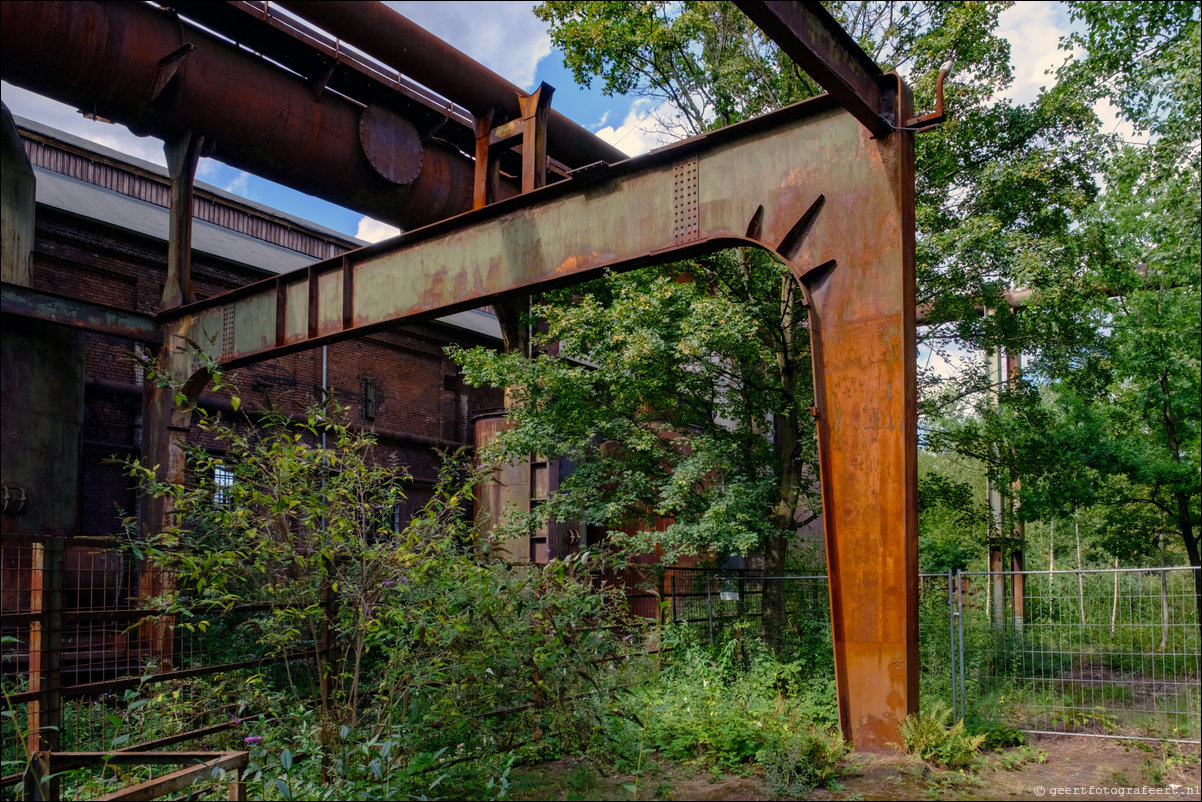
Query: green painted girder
[34, 304]
[698, 195]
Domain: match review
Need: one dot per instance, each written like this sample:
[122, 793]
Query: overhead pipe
[143, 67]
[384, 34]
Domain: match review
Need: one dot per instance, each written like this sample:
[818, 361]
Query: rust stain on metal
[256, 116]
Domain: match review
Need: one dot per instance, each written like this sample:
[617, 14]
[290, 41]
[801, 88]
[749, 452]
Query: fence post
[37, 777]
[709, 606]
[45, 644]
[673, 598]
[951, 635]
[960, 637]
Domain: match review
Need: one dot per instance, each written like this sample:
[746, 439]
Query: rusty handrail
[43, 765]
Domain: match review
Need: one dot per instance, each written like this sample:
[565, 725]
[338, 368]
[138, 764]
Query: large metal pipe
[130, 62]
[388, 36]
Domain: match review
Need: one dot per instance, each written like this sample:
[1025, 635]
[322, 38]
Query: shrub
[802, 761]
[996, 735]
[431, 632]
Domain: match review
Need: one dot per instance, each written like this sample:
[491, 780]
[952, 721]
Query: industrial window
[369, 398]
[223, 484]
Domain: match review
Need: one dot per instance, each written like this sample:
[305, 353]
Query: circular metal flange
[391, 144]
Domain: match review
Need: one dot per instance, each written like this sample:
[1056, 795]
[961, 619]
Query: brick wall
[417, 390]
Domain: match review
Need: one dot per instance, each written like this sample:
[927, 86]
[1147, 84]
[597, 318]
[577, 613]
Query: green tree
[1117, 421]
[1145, 58]
[661, 391]
[709, 66]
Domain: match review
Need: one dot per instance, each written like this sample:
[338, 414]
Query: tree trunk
[775, 617]
[786, 430]
[1185, 524]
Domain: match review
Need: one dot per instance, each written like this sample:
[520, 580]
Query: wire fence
[88, 648]
[1111, 652]
[91, 660]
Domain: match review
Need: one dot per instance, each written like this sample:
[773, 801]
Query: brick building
[100, 237]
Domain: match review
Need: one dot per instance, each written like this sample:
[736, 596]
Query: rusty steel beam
[390, 37]
[34, 304]
[144, 67]
[808, 183]
[809, 35]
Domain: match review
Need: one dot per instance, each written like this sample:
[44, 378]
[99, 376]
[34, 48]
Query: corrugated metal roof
[125, 210]
[143, 166]
[148, 219]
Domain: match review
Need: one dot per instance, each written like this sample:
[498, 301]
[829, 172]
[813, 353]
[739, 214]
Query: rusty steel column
[17, 190]
[182, 153]
[862, 332]
[165, 439]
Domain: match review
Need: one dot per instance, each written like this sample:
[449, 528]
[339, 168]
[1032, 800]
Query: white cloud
[1034, 31]
[208, 169]
[374, 231]
[642, 130]
[1108, 113]
[240, 185]
[506, 37]
[23, 103]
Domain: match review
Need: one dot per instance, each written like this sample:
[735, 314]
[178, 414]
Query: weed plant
[928, 736]
[732, 708]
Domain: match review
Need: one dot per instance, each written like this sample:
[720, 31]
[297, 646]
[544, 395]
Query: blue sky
[510, 40]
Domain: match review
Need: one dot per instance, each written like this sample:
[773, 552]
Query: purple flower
[404, 578]
[253, 739]
[387, 583]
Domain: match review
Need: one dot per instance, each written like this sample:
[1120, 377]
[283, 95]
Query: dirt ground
[1047, 767]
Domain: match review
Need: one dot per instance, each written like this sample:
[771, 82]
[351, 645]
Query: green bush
[445, 664]
[996, 735]
[802, 761]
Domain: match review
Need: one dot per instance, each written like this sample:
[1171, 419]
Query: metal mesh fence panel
[91, 661]
[1100, 653]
